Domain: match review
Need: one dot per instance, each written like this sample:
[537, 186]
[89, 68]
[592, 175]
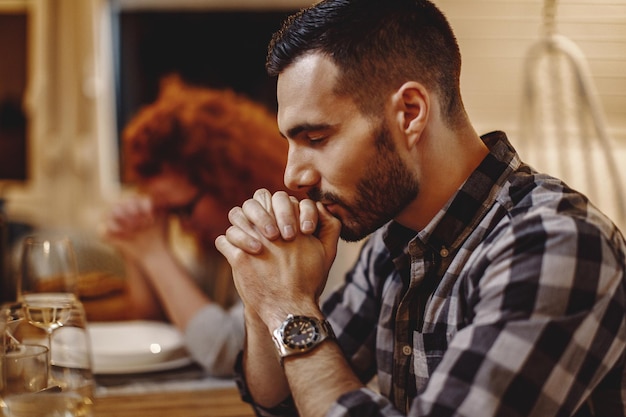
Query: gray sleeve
[214, 337]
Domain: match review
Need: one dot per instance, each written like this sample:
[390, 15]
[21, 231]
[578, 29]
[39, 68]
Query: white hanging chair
[563, 131]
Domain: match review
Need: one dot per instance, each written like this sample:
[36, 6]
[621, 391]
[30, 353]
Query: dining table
[133, 380]
[219, 402]
[186, 392]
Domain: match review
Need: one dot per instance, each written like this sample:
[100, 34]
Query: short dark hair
[377, 45]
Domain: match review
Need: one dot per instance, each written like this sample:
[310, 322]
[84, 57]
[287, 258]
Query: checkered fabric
[511, 302]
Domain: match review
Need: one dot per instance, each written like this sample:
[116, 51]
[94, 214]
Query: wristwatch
[300, 334]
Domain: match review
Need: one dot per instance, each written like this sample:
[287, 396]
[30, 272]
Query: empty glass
[47, 266]
[25, 372]
[25, 369]
[26, 392]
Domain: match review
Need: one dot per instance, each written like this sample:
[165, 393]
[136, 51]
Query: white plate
[111, 369]
[136, 346]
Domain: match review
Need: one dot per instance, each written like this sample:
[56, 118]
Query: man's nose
[300, 173]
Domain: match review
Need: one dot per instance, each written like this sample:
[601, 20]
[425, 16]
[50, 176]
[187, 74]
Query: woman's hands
[134, 227]
[280, 250]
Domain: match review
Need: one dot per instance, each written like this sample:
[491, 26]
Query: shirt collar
[465, 209]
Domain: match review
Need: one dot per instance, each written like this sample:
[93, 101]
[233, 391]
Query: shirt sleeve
[214, 337]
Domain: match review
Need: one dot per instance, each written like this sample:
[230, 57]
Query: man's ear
[411, 104]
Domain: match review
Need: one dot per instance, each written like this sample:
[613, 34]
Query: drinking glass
[48, 265]
[26, 392]
[24, 371]
[47, 282]
[47, 289]
[71, 359]
[45, 404]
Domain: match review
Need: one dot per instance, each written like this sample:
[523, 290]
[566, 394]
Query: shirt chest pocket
[428, 350]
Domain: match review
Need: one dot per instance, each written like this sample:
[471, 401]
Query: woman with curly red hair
[192, 154]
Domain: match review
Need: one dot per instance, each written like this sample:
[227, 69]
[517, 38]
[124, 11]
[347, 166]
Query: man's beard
[386, 189]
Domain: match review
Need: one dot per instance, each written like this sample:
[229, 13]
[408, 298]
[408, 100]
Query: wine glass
[47, 282]
[47, 288]
[48, 265]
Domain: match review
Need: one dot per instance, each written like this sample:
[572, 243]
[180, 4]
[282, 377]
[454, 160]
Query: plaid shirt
[511, 302]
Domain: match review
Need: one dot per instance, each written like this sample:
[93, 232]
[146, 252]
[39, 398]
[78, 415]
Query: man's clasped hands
[281, 251]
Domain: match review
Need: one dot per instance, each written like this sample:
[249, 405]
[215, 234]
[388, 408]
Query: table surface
[184, 392]
[214, 402]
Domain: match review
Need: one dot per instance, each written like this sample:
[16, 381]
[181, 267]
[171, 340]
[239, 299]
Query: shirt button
[444, 252]
[406, 349]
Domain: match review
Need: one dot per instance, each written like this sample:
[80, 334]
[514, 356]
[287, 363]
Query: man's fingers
[264, 197]
[226, 248]
[329, 230]
[286, 216]
[252, 218]
[242, 240]
[277, 215]
[308, 216]
[257, 215]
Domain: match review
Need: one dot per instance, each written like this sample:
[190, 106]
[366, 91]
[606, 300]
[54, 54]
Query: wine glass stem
[50, 377]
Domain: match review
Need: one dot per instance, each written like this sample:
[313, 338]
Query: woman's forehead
[169, 186]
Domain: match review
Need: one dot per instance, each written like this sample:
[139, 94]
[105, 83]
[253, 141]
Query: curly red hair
[225, 143]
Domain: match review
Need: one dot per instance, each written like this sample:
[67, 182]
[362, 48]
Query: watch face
[300, 333]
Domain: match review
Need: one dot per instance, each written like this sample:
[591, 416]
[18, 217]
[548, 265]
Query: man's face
[338, 156]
